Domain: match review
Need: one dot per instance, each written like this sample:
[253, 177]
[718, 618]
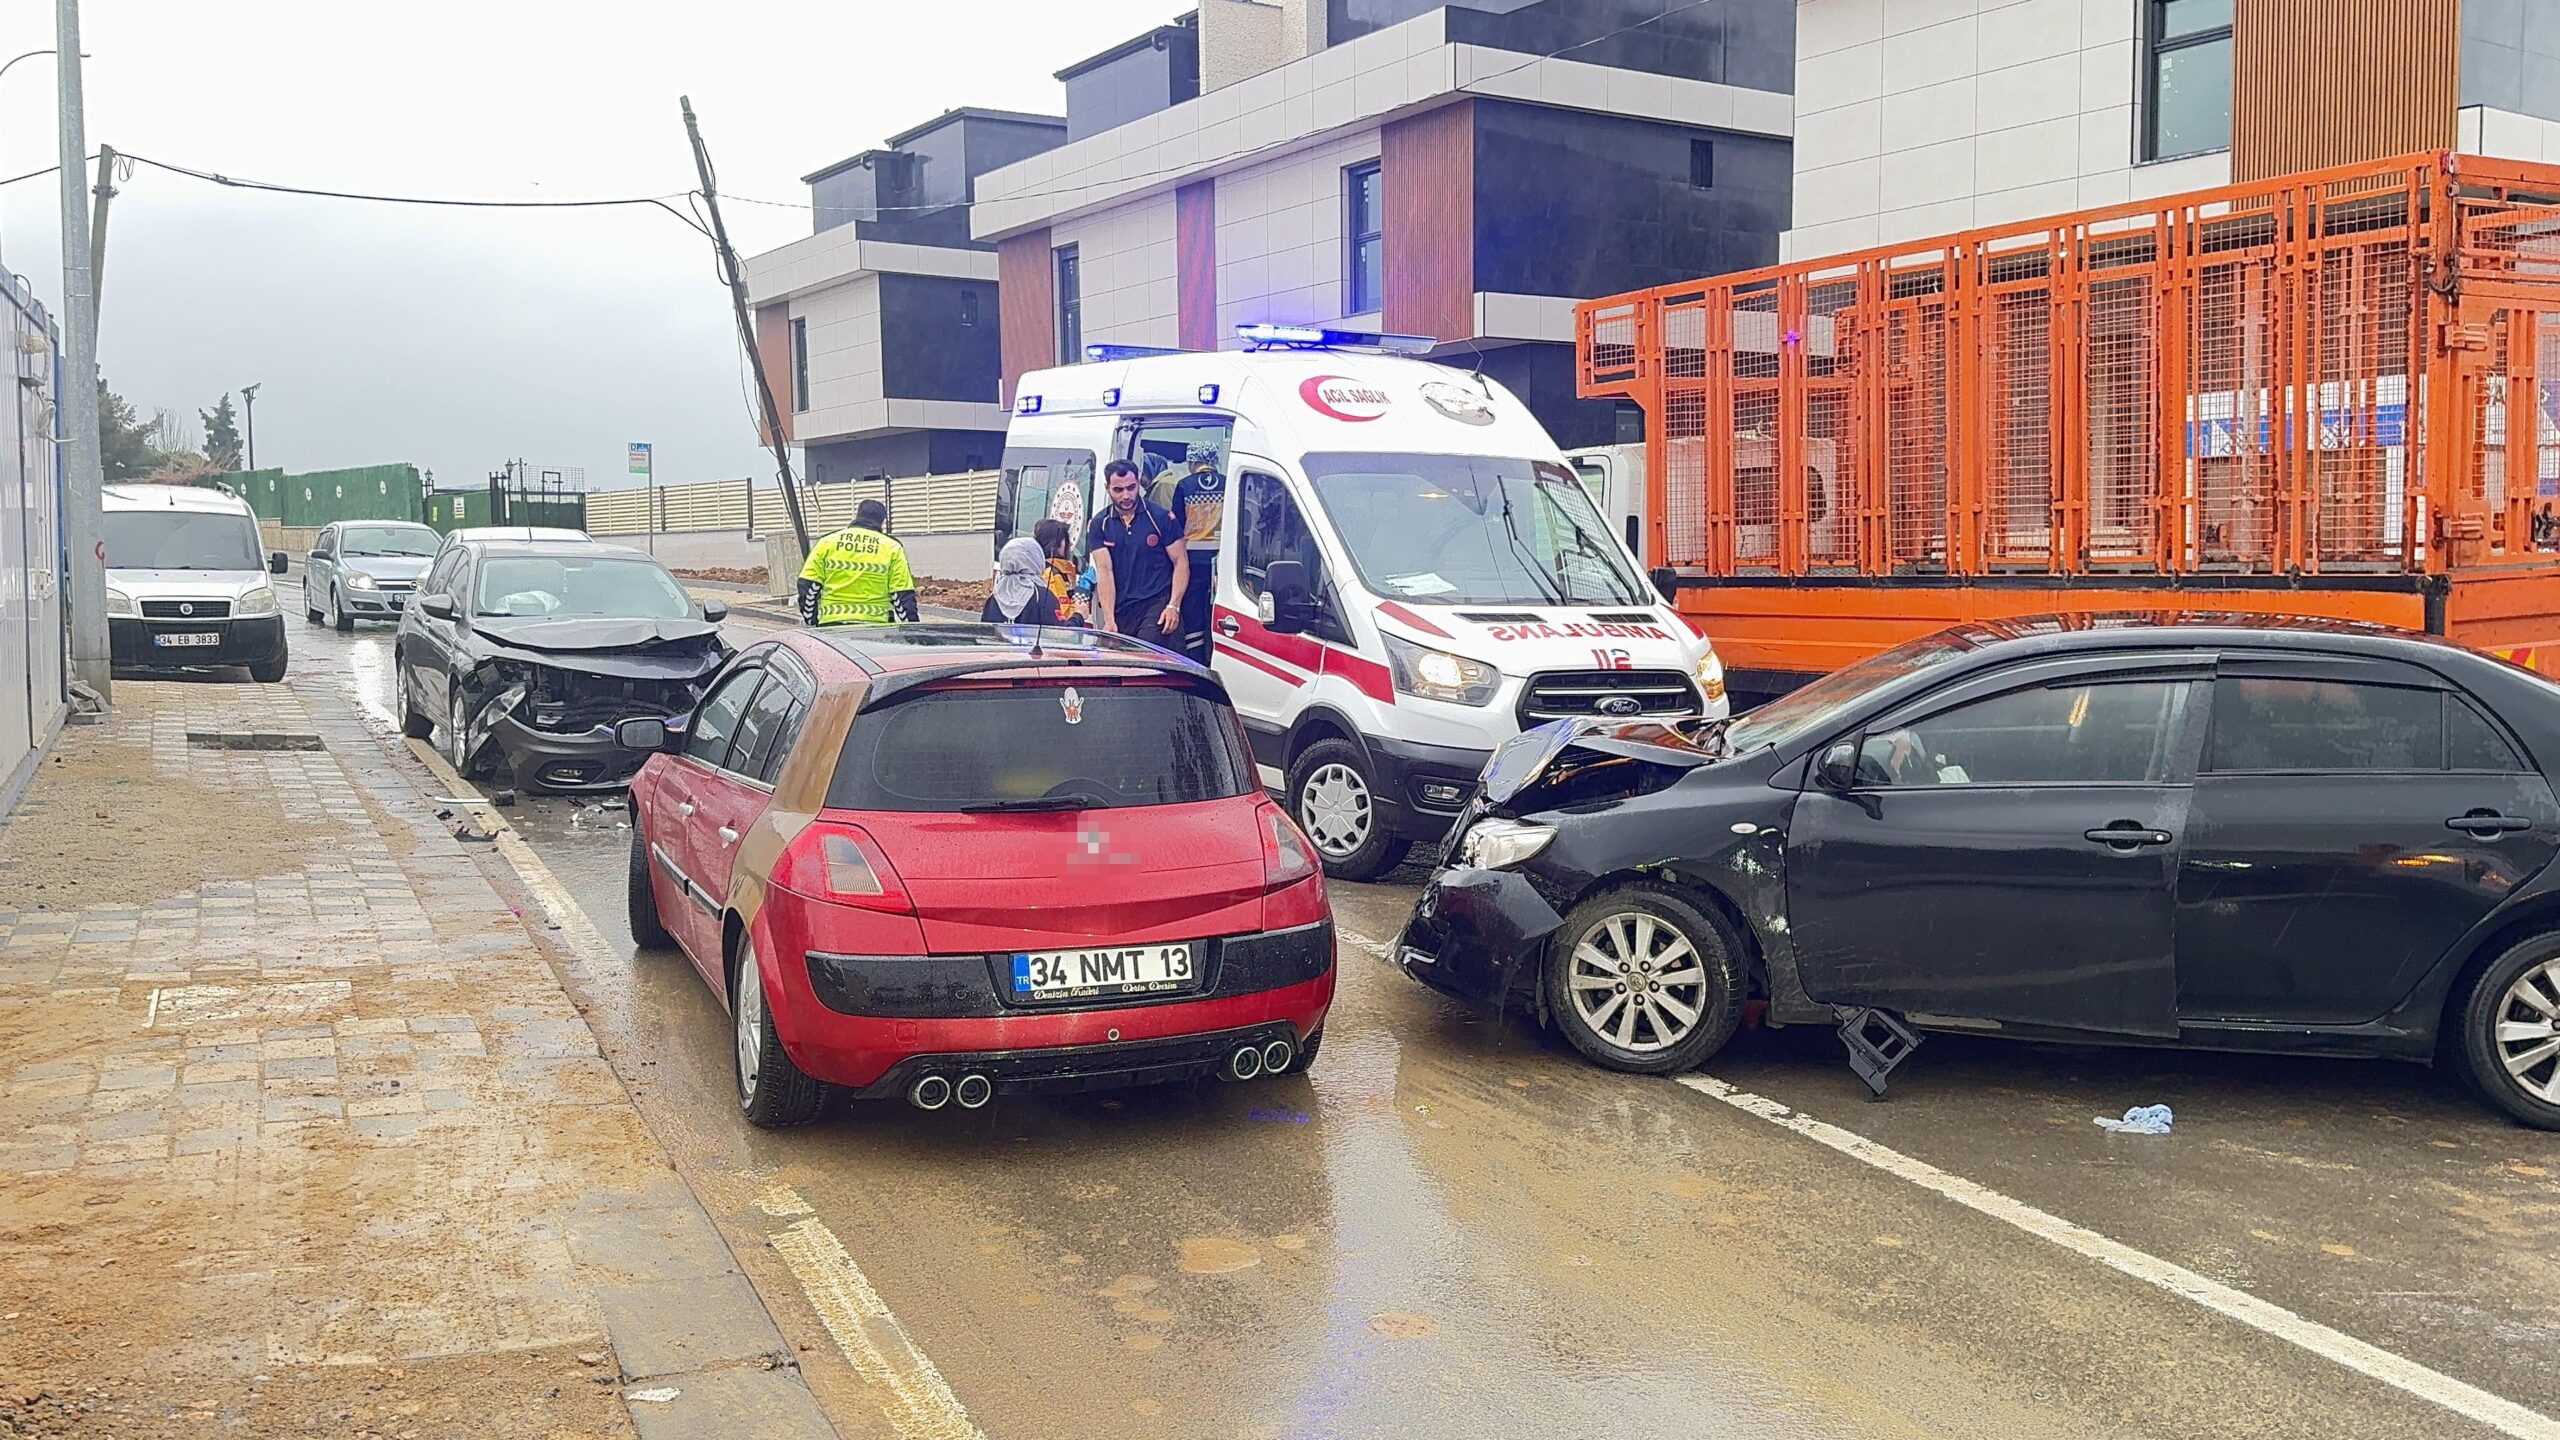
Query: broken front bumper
[1477, 934]
[551, 761]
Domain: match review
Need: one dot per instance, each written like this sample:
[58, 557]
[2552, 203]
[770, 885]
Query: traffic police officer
[859, 575]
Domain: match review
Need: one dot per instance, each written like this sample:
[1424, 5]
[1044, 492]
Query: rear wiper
[1038, 802]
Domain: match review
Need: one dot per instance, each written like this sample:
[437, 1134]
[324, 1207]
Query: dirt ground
[969, 595]
[125, 852]
[726, 575]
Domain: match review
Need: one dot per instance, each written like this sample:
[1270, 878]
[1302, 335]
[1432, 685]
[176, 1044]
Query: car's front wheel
[2510, 1032]
[1641, 979]
[1332, 799]
[338, 615]
[648, 927]
[269, 672]
[772, 1090]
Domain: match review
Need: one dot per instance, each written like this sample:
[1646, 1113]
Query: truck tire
[2509, 1044]
[1644, 981]
[1333, 799]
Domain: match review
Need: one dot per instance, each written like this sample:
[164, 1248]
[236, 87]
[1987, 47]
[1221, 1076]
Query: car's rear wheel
[414, 722]
[648, 927]
[2510, 1032]
[1642, 980]
[772, 1091]
[1332, 799]
[338, 615]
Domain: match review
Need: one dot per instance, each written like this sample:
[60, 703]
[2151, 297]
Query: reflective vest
[857, 571]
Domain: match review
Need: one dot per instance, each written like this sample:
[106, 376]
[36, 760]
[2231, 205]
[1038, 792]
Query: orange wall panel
[773, 356]
[1026, 305]
[2333, 82]
[1427, 168]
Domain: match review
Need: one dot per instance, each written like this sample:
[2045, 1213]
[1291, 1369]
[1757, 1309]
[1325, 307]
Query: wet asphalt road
[1454, 1228]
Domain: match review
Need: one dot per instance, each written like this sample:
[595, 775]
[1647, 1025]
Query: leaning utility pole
[85, 588]
[736, 276]
[105, 190]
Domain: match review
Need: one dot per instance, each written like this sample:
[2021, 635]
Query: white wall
[1919, 117]
[1280, 236]
[1126, 268]
[2508, 135]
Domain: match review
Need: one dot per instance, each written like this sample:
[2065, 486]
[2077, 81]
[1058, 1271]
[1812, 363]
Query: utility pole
[104, 191]
[85, 588]
[736, 276]
[249, 407]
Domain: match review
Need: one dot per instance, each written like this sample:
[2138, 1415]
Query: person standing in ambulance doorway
[859, 575]
[1200, 503]
[1140, 566]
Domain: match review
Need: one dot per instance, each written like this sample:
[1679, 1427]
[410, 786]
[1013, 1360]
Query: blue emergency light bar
[1097, 353]
[1263, 336]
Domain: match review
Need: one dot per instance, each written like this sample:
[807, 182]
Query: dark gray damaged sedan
[2212, 832]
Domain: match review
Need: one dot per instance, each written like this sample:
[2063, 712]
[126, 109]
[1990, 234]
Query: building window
[1364, 221]
[1702, 164]
[968, 307]
[2187, 108]
[799, 365]
[1070, 307]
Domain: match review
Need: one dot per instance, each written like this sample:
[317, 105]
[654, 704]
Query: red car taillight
[1293, 887]
[838, 862]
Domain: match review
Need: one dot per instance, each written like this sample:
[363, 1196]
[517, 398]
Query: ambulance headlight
[1437, 675]
[1709, 672]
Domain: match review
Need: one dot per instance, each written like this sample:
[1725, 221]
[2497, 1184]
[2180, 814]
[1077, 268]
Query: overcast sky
[457, 339]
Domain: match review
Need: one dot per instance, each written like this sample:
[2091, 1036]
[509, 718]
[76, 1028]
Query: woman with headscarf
[1020, 598]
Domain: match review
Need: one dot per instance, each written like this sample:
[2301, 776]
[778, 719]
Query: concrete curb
[702, 1356]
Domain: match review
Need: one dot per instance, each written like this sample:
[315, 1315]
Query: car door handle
[685, 808]
[728, 836]
[2126, 835]
[2487, 824]
[1229, 626]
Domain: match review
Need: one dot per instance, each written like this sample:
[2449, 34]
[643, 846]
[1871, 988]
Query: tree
[173, 433]
[124, 442]
[222, 434]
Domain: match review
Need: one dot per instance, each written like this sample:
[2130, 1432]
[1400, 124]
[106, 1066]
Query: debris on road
[503, 797]
[2140, 1120]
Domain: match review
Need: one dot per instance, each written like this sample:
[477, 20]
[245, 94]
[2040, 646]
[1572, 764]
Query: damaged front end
[1485, 919]
[546, 698]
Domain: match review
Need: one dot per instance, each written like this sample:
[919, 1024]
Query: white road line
[921, 1405]
[2503, 1415]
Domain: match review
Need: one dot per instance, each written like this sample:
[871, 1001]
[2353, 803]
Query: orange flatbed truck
[2335, 394]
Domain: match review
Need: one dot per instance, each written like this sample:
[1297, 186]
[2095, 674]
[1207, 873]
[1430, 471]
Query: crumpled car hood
[628, 649]
[1526, 758]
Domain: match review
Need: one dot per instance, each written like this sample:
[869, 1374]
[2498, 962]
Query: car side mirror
[275, 562]
[645, 733]
[439, 606]
[1288, 597]
[1837, 769]
[1666, 583]
[715, 611]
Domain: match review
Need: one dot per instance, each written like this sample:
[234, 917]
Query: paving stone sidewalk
[323, 1147]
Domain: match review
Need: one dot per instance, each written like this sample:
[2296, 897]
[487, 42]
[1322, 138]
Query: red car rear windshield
[1044, 746]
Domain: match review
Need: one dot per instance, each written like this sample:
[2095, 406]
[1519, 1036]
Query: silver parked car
[365, 570]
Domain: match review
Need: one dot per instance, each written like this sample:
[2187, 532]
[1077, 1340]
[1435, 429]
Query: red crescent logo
[1340, 397]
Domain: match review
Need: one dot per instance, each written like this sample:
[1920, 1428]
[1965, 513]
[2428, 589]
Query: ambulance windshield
[1473, 530]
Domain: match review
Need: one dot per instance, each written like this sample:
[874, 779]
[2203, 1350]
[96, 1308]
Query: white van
[186, 586]
[1408, 571]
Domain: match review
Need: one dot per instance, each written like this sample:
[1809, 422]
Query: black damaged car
[529, 653]
[2310, 837]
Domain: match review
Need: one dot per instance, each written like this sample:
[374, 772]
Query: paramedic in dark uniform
[1140, 566]
[1199, 504]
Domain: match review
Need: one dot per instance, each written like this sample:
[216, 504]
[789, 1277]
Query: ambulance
[1408, 571]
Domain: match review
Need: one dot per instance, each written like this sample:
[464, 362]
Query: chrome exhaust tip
[1276, 1055]
[973, 1091]
[930, 1093]
[1245, 1063]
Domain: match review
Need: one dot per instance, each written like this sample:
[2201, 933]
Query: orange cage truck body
[2336, 394]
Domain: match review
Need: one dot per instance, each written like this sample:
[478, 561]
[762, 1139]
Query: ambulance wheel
[1332, 799]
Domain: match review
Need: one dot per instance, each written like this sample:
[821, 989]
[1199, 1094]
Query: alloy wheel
[1334, 805]
[750, 1016]
[2528, 1031]
[1638, 982]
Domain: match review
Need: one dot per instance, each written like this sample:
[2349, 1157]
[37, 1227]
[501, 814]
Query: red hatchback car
[943, 861]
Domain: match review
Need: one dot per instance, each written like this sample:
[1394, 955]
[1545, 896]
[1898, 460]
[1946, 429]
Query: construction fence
[324, 497]
[918, 505]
